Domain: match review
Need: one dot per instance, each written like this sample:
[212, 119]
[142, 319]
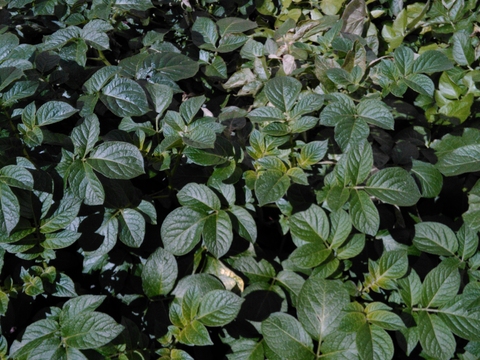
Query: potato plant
[246, 179]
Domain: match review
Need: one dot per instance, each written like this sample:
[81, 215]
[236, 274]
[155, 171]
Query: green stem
[102, 58]
[175, 167]
[426, 309]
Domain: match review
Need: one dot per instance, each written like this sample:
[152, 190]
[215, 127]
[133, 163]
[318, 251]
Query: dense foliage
[246, 179]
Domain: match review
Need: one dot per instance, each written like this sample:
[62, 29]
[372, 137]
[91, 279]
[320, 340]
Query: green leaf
[199, 197]
[63, 216]
[353, 319]
[286, 337]
[410, 341]
[435, 337]
[270, 186]
[435, 238]
[410, 289]
[393, 186]
[364, 214]
[204, 33]
[393, 264]
[176, 354]
[3, 303]
[431, 61]
[89, 330]
[98, 80]
[65, 287]
[54, 111]
[203, 283]
[266, 113]
[431, 181]
[350, 132]
[292, 282]
[458, 155]
[341, 227]
[337, 197]
[195, 333]
[458, 110]
[352, 247]
[385, 319]
[128, 125]
[261, 271]
[375, 112]
[75, 51]
[217, 69]
[340, 76]
[307, 104]
[109, 231]
[181, 230]
[16, 236]
[230, 42]
[200, 137]
[85, 184]
[28, 115]
[312, 152]
[462, 321]
[8, 42]
[309, 255]
[190, 108]
[117, 160]
[374, 343]
[421, 84]
[19, 90]
[159, 273]
[81, 304]
[33, 286]
[283, 91]
[85, 136]
[35, 334]
[60, 240]
[138, 5]
[462, 50]
[124, 97]
[218, 308]
[230, 25]
[245, 349]
[320, 305]
[16, 176]
[245, 224]
[161, 95]
[355, 164]
[404, 58]
[9, 75]
[467, 242]
[174, 65]
[441, 284]
[339, 346]
[217, 233]
[298, 176]
[472, 216]
[132, 227]
[93, 29]
[310, 225]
